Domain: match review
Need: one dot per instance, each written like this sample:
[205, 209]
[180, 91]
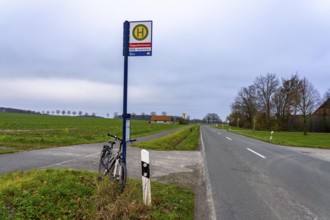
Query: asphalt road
[250, 179]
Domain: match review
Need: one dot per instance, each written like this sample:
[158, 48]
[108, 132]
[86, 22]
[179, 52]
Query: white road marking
[219, 133]
[256, 153]
[228, 138]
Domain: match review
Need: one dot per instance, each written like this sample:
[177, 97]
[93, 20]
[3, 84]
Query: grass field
[186, 139]
[314, 140]
[71, 194]
[28, 131]
[296, 139]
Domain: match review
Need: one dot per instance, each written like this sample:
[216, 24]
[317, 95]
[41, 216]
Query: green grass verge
[28, 131]
[295, 139]
[72, 194]
[186, 139]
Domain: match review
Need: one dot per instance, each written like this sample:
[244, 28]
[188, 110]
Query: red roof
[161, 118]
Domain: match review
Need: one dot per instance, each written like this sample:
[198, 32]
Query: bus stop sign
[140, 38]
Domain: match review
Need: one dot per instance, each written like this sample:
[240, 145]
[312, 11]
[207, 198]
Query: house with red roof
[161, 119]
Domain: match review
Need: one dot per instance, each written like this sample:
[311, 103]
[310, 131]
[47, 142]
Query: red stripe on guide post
[135, 45]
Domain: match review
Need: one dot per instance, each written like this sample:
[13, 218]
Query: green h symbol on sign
[140, 32]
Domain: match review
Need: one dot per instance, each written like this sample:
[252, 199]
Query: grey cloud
[203, 51]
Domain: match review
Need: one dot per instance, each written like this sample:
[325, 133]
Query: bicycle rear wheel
[118, 175]
[104, 163]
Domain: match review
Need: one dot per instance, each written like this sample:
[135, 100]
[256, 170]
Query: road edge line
[209, 194]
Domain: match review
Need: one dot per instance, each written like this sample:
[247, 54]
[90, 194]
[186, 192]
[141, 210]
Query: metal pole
[125, 53]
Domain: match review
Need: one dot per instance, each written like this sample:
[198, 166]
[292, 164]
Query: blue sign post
[125, 53]
[137, 42]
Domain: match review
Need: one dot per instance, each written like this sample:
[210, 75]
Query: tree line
[68, 113]
[269, 103]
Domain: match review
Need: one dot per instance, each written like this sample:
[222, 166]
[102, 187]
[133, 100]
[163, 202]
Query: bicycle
[113, 164]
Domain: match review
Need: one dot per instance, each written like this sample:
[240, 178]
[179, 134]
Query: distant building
[324, 109]
[320, 119]
[161, 119]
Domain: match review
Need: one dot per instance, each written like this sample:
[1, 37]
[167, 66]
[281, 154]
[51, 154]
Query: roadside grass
[186, 139]
[295, 139]
[72, 194]
[29, 131]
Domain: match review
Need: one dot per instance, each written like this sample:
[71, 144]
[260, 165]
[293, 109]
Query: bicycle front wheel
[118, 175]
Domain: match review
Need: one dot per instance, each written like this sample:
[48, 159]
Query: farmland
[31, 131]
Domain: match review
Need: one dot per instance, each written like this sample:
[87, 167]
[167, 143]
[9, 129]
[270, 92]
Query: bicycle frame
[113, 164]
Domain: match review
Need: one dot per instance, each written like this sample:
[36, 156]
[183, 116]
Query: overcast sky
[60, 54]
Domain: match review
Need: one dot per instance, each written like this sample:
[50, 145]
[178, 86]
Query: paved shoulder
[82, 156]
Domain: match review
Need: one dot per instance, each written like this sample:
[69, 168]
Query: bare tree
[212, 118]
[286, 99]
[80, 113]
[63, 112]
[233, 118]
[246, 104]
[164, 113]
[74, 113]
[58, 112]
[308, 100]
[68, 112]
[266, 86]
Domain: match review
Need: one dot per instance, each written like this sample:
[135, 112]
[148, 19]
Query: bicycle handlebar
[117, 138]
[114, 136]
[133, 140]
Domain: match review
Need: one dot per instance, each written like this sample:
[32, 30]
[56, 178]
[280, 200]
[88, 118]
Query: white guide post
[271, 135]
[146, 177]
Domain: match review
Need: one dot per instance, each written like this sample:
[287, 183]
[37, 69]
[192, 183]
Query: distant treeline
[285, 105]
[14, 110]
[134, 116]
